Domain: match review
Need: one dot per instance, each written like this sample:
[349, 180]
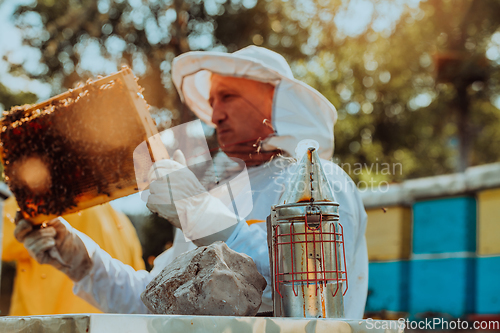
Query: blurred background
[416, 85]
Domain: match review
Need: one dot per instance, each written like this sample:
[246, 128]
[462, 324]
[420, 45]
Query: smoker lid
[308, 182]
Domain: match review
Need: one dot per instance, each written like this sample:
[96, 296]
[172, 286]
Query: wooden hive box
[76, 150]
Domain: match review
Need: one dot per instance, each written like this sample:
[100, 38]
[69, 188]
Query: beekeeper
[261, 113]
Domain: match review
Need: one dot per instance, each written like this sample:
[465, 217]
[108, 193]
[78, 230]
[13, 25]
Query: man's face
[242, 111]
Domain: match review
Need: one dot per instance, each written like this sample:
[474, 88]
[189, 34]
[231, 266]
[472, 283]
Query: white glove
[178, 196]
[58, 244]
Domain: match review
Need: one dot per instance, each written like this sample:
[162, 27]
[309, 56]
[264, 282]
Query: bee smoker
[306, 246]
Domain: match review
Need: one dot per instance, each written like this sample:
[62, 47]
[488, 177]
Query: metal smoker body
[306, 246]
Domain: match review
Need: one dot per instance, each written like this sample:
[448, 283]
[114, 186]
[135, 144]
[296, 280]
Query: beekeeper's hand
[177, 195]
[160, 198]
[58, 244]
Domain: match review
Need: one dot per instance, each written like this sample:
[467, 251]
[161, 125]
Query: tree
[396, 98]
[389, 79]
[9, 98]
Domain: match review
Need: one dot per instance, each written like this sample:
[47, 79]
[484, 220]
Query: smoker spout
[308, 182]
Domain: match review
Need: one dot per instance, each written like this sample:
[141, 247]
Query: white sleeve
[252, 240]
[353, 219]
[356, 259]
[355, 298]
[113, 286]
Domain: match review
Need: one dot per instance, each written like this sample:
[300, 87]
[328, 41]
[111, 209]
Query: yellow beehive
[488, 226]
[388, 233]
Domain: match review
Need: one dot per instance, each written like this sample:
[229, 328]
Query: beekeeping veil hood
[299, 111]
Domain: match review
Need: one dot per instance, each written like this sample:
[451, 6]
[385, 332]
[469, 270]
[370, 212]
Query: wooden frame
[156, 148]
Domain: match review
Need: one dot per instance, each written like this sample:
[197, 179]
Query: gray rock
[210, 280]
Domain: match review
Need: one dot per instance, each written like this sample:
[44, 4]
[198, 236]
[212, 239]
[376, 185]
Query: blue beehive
[488, 288]
[388, 286]
[444, 225]
[442, 286]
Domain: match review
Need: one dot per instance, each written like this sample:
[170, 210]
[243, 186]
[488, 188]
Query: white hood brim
[299, 111]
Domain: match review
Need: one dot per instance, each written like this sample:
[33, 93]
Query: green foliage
[415, 94]
[398, 103]
[9, 99]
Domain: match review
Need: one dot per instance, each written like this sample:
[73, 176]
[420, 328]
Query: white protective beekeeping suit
[299, 112]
